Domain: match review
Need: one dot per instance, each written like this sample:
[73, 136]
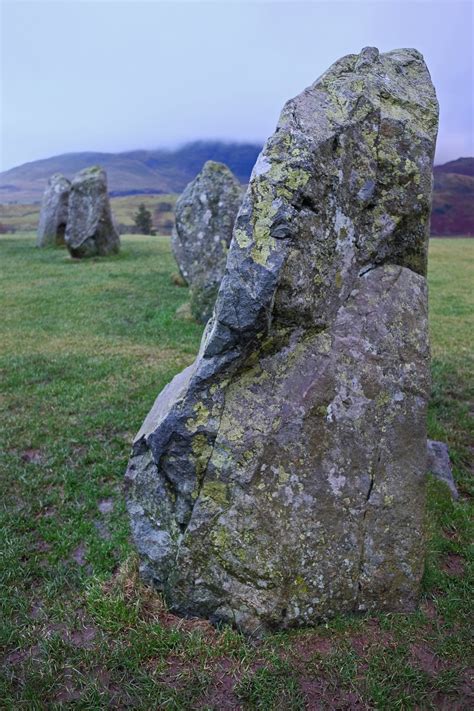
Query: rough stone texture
[439, 464]
[205, 215]
[280, 478]
[90, 229]
[54, 211]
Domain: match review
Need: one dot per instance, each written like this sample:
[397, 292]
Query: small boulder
[90, 229]
[205, 216]
[54, 212]
[439, 465]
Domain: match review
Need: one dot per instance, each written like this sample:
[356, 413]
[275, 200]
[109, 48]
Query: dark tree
[143, 221]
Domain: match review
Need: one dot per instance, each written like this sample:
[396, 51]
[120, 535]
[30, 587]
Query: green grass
[85, 348]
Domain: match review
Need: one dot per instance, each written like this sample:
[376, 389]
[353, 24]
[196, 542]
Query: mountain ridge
[159, 171]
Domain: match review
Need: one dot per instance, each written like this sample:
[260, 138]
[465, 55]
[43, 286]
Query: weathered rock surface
[280, 478]
[90, 229]
[439, 465]
[205, 215]
[54, 212]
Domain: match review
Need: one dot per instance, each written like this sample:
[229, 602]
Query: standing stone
[280, 478]
[90, 229]
[205, 216]
[54, 212]
[439, 464]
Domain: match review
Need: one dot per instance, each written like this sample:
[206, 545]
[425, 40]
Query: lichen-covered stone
[90, 229]
[54, 212]
[280, 478]
[205, 215]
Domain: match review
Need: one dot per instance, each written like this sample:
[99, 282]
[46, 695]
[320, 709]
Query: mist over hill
[133, 172]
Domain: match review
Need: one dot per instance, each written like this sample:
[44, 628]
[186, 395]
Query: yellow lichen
[216, 491]
[242, 239]
[201, 417]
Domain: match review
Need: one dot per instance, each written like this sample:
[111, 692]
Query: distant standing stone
[439, 465]
[90, 229]
[281, 478]
[54, 212]
[205, 216]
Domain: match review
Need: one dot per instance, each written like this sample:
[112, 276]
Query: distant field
[124, 209]
[25, 217]
[85, 347]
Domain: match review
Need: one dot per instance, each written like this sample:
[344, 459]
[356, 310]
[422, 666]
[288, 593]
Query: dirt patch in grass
[18, 656]
[69, 692]
[446, 702]
[84, 638]
[220, 692]
[60, 629]
[466, 686]
[176, 674]
[79, 554]
[372, 636]
[32, 456]
[453, 565]
[37, 609]
[426, 659]
[106, 506]
[305, 648]
[321, 694]
[42, 546]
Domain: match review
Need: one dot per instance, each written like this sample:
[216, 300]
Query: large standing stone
[281, 477]
[205, 216]
[90, 229]
[54, 211]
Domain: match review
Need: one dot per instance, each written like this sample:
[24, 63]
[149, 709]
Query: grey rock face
[439, 464]
[54, 212]
[280, 479]
[90, 229]
[205, 216]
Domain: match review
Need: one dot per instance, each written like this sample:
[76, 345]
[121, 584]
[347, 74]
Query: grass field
[85, 347]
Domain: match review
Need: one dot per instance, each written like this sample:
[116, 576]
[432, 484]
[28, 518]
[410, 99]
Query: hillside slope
[453, 198]
[133, 172]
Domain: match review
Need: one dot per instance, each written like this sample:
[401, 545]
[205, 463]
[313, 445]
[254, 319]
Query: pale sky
[107, 76]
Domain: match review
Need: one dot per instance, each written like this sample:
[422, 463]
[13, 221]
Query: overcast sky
[113, 76]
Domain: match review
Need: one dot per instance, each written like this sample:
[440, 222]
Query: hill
[131, 173]
[463, 166]
[453, 198]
